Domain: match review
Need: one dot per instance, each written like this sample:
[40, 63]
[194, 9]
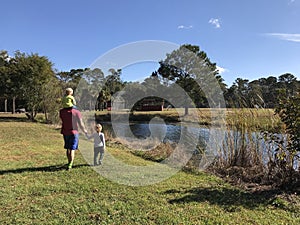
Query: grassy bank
[36, 189]
[255, 119]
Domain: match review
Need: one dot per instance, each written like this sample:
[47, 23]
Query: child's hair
[99, 126]
[69, 91]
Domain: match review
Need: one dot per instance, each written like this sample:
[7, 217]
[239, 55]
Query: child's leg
[96, 153]
[101, 155]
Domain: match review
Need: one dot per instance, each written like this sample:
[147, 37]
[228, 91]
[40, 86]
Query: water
[163, 132]
[192, 136]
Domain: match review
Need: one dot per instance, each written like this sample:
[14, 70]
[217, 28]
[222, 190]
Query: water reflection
[164, 132]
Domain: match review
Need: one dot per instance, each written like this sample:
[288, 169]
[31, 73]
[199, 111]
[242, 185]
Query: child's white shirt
[99, 139]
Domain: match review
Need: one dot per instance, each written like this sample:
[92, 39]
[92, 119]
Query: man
[71, 118]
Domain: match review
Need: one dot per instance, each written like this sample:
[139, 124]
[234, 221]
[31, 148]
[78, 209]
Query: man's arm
[82, 126]
[79, 120]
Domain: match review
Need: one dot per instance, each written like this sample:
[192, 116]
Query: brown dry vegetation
[256, 119]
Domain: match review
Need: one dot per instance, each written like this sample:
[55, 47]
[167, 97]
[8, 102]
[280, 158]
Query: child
[68, 100]
[99, 144]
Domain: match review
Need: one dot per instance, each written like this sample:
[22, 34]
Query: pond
[214, 139]
[171, 132]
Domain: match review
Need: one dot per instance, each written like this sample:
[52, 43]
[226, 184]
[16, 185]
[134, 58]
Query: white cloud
[286, 37]
[185, 27]
[292, 1]
[221, 70]
[215, 22]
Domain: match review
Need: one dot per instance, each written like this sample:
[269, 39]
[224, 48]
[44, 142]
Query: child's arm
[74, 101]
[88, 136]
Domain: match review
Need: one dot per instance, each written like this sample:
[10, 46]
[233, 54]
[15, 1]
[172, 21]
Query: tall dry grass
[243, 154]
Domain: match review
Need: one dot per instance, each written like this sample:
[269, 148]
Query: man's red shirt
[70, 119]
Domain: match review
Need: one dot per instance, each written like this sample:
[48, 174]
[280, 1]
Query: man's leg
[71, 144]
[68, 153]
[70, 156]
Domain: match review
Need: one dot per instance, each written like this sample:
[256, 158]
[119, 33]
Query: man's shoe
[69, 166]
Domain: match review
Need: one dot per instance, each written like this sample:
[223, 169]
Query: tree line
[30, 81]
[263, 92]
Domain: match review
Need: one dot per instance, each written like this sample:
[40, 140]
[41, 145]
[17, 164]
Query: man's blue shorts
[71, 141]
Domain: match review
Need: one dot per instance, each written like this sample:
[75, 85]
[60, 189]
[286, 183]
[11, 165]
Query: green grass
[36, 189]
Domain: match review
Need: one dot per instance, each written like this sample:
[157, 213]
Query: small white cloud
[215, 22]
[221, 70]
[286, 37]
[291, 2]
[185, 27]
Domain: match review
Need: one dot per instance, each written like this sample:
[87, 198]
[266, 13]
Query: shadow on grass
[41, 169]
[231, 200]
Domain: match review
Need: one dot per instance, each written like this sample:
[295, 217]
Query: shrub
[283, 166]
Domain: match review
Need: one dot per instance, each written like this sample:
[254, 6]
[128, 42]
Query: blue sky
[247, 39]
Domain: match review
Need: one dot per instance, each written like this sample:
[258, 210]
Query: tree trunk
[14, 105]
[5, 105]
[186, 110]
[46, 114]
[33, 114]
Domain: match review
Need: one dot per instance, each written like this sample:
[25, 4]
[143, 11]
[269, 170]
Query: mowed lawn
[36, 189]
